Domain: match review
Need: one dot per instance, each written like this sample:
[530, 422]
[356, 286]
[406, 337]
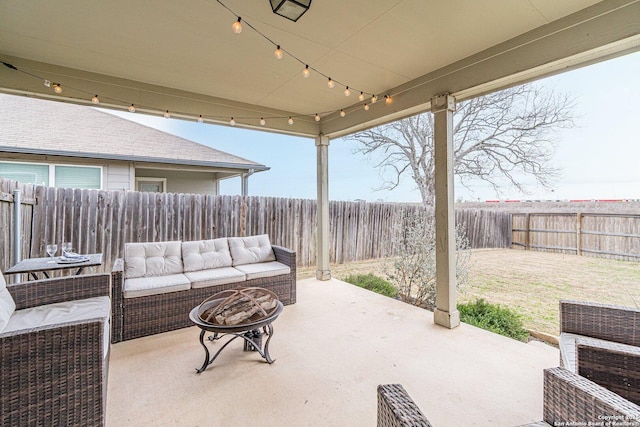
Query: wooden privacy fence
[595, 234]
[103, 221]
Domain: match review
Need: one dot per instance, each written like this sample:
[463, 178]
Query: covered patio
[338, 342]
[332, 348]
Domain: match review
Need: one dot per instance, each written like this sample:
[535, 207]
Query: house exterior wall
[179, 181]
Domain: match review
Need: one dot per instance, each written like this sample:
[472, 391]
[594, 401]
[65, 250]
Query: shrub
[373, 283]
[494, 318]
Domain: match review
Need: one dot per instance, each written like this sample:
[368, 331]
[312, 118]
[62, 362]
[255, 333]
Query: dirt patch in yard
[532, 282]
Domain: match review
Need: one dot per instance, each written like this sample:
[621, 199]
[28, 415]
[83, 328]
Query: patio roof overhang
[188, 62]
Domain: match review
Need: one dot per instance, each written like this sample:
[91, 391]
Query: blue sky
[598, 158]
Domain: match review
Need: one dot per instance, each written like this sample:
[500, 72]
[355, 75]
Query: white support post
[446, 313]
[322, 238]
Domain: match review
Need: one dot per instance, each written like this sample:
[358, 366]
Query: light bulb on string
[374, 99]
[306, 72]
[342, 113]
[388, 99]
[57, 88]
[132, 109]
[347, 92]
[47, 83]
[262, 121]
[361, 97]
[366, 107]
[278, 53]
[290, 121]
[166, 114]
[232, 122]
[200, 119]
[237, 26]
[330, 83]
[317, 117]
[95, 100]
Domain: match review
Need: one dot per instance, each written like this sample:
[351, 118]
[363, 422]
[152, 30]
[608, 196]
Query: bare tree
[498, 138]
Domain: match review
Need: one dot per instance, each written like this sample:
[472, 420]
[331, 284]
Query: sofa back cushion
[206, 254]
[152, 259]
[251, 249]
[7, 305]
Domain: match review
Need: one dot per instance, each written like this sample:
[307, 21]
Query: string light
[57, 88]
[132, 109]
[347, 92]
[361, 97]
[388, 99]
[290, 121]
[366, 107]
[95, 100]
[47, 83]
[342, 113]
[232, 122]
[374, 99]
[306, 72]
[278, 53]
[166, 114]
[200, 119]
[317, 117]
[330, 83]
[262, 121]
[237, 26]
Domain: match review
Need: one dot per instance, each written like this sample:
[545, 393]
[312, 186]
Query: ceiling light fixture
[237, 26]
[290, 9]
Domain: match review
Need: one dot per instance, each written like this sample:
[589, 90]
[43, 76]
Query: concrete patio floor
[332, 348]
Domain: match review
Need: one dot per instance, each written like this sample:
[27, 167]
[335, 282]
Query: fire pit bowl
[241, 313]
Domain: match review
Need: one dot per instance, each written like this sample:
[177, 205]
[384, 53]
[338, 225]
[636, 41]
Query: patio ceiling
[166, 55]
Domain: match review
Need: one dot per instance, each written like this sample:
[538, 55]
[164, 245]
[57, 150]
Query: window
[28, 173]
[66, 176]
[151, 185]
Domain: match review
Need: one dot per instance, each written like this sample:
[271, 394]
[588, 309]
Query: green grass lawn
[531, 283]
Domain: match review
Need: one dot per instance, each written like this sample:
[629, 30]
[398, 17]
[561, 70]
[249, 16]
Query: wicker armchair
[55, 374]
[397, 409]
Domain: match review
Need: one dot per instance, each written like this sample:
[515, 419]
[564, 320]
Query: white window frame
[152, 179]
[52, 170]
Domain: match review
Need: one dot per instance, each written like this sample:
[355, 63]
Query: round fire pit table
[250, 332]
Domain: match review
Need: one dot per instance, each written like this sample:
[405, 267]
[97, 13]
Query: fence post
[17, 228]
[527, 240]
[579, 233]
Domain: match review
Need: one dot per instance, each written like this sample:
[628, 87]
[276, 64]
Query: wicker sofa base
[142, 316]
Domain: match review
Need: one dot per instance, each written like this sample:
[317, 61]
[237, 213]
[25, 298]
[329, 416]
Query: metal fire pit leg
[268, 330]
[206, 352]
[208, 362]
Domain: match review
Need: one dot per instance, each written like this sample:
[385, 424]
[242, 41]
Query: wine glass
[66, 247]
[51, 250]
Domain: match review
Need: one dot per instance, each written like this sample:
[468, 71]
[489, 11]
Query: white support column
[446, 313]
[322, 238]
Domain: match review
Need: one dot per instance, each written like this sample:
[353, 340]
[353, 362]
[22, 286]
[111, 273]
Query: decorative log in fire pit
[238, 313]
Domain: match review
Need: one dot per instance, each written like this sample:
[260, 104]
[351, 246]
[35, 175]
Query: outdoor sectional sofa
[157, 284]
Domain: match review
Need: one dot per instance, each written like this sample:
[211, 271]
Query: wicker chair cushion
[567, 344]
[145, 286]
[263, 269]
[215, 277]
[206, 254]
[7, 304]
[252, 249]
[63, 312]
[152, 259]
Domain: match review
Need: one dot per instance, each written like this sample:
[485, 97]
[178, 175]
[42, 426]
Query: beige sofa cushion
[252, 249]
[264, 269]
[152, 259]
[7, 304]
[145, 286]
[206, 254]
[214, 277]
[61, 312]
